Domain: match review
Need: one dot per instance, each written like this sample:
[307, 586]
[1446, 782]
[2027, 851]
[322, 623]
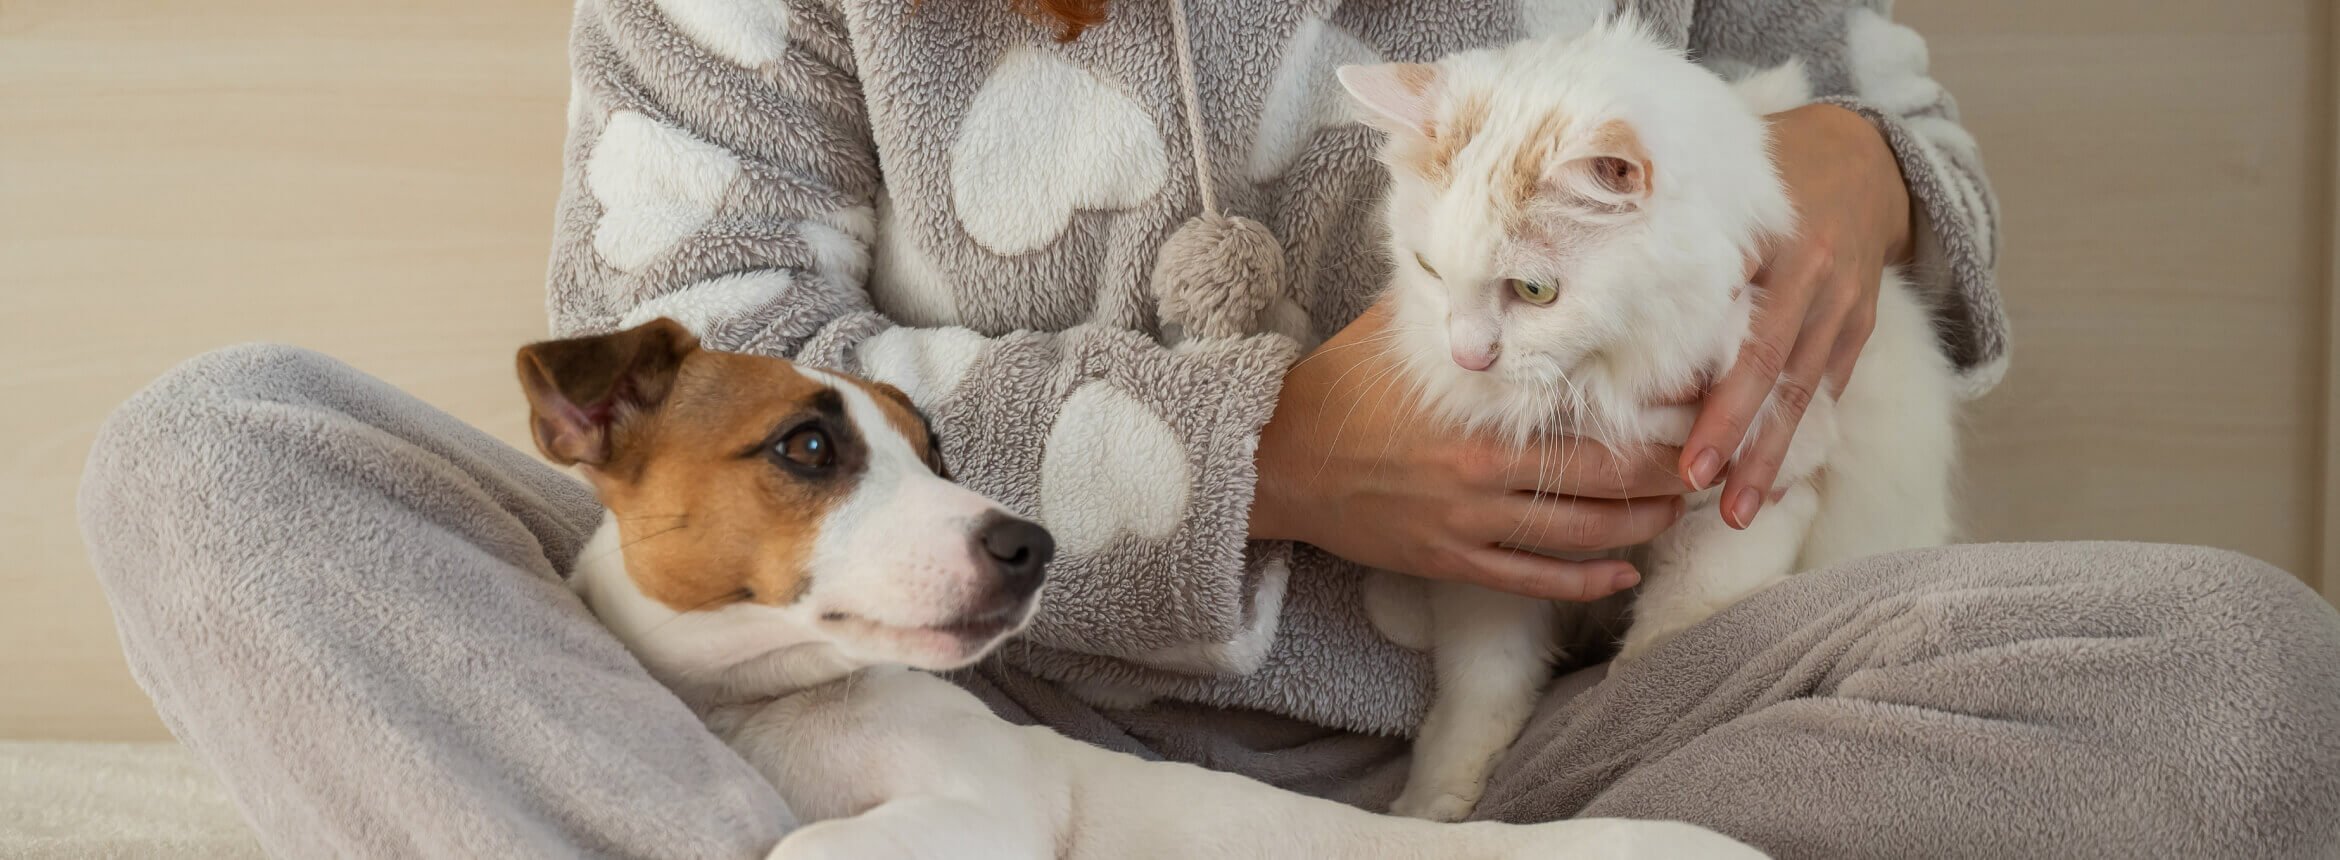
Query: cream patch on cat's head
[1569, 219]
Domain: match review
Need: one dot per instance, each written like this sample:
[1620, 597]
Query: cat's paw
[1399, 607]
[1644, 637]
[1656, 623]
[1435, 804]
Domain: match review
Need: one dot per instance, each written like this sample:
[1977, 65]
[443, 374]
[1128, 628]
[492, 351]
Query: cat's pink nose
[1474, 359]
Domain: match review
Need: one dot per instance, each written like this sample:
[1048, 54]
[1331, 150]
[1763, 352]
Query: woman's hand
[1815, 299]
[1347, 464]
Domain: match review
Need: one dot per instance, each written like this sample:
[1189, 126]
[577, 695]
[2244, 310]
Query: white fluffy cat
[1569, 220]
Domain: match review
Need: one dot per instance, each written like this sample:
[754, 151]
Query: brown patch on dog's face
[719, 484]
[721, 497]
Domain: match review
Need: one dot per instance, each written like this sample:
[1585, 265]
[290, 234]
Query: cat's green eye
[1425, 264]
[1534, 292]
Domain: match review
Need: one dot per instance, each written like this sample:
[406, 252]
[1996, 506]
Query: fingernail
[1625, 579]
[1744, 504]
[1702, 469]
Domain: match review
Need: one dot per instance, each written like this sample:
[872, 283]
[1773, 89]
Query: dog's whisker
[678, 616]
[581, 560]
[622, 546]
[659, 533]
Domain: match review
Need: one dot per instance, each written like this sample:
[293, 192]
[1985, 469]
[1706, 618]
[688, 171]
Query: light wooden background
[376, 179]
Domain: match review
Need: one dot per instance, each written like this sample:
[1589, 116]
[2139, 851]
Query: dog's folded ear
[580, 389]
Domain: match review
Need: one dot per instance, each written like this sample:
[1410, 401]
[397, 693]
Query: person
[351, 605]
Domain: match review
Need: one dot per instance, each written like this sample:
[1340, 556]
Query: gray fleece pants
[350, 605]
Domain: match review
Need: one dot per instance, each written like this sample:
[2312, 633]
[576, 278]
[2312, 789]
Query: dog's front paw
[841, 839]
[1435, 804]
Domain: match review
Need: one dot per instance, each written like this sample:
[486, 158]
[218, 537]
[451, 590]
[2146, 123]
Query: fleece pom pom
[1217, 275]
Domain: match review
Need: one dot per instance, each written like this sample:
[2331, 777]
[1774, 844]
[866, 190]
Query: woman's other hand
[1815, 298]
[1347, 464]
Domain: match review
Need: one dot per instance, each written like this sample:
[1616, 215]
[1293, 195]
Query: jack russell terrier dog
[784, 550]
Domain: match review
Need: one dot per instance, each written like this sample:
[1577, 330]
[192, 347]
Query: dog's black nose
[1018, 549]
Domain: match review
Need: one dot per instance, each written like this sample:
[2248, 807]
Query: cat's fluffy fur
[1634, 183]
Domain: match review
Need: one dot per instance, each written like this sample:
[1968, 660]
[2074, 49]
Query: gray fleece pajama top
[942, 196]
[351, 605]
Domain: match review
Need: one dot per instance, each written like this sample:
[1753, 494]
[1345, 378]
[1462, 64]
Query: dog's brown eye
[808, 447]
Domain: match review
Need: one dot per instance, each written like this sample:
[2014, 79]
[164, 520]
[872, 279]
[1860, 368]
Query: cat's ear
[1396, 97]
[1611, 173]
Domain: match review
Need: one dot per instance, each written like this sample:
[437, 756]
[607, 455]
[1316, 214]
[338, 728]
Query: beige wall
[2161, 169]
[375, 180]
[370, 179]
[2330, 560]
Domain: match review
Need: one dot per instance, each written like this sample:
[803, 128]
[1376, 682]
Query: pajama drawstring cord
[1216, 276]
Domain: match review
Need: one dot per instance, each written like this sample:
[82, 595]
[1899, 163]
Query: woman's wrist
[1901, 232]
[1269, 504]
[1288, 463]
[1901, 244]
[1265, 522]
[1899, 222]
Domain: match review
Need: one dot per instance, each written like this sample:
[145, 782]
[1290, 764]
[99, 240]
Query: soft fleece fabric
[350, 605]
[944, 197]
